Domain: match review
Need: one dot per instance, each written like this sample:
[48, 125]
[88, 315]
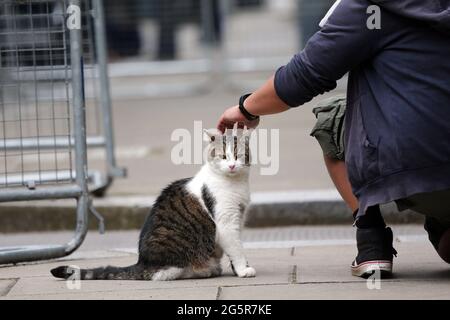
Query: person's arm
[263, 101]
[342, 44]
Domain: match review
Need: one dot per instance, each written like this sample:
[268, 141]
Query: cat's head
[228, 154]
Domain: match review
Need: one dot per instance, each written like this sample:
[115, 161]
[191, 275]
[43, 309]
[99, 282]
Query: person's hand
[233, 115]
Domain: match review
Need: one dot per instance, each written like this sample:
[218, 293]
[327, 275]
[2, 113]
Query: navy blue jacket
[398, 99]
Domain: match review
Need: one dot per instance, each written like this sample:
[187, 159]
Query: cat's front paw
[247, 272]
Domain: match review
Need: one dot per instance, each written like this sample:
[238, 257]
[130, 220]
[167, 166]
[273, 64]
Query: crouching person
[374, 239]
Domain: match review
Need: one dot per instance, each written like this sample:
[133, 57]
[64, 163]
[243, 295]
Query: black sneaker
[375, 252]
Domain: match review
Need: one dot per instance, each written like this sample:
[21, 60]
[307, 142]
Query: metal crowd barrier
[33, 58]
[44, 111]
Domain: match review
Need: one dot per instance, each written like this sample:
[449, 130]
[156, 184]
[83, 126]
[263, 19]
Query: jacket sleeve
[342, 44]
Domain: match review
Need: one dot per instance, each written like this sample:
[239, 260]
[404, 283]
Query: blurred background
[174, 62]
[167, 64]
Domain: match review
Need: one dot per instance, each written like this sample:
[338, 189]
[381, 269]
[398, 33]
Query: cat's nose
[232, 166]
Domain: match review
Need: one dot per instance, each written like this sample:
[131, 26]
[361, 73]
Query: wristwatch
[247, 115]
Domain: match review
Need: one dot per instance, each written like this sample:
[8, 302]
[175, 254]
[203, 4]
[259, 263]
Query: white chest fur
[231, 194]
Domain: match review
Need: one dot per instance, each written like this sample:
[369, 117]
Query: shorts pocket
[329, 130]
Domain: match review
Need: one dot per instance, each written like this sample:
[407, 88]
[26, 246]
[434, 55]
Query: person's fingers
[224, 124]
[222, 127]
[232, 116]
[220, 124]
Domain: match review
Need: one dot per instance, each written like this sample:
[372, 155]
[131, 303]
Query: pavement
[291, 263]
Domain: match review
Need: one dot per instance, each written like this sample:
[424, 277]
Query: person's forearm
[265, 100]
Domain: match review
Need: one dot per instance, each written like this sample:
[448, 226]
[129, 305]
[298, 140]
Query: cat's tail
[134, 272]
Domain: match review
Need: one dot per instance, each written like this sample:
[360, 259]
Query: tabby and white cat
[193, 221]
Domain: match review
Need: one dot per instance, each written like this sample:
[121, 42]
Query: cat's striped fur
[192, 223]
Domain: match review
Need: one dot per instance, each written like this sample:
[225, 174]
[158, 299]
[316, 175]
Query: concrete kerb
[306, 207]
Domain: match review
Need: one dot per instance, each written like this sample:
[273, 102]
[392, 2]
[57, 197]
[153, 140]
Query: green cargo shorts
[329, 128]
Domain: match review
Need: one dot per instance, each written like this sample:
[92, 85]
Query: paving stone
[268, 272]
[203, 293]
[332, 263]
[42, 268]
[314, 271]
[6, 285]
[347, 291]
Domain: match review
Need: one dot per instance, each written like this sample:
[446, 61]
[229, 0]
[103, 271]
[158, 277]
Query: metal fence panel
[33, 110]
[36, 145]
[43, 144]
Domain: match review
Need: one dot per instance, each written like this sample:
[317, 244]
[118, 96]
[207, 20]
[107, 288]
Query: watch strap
[247, 115]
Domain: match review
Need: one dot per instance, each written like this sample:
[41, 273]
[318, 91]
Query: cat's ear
[211, 134]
